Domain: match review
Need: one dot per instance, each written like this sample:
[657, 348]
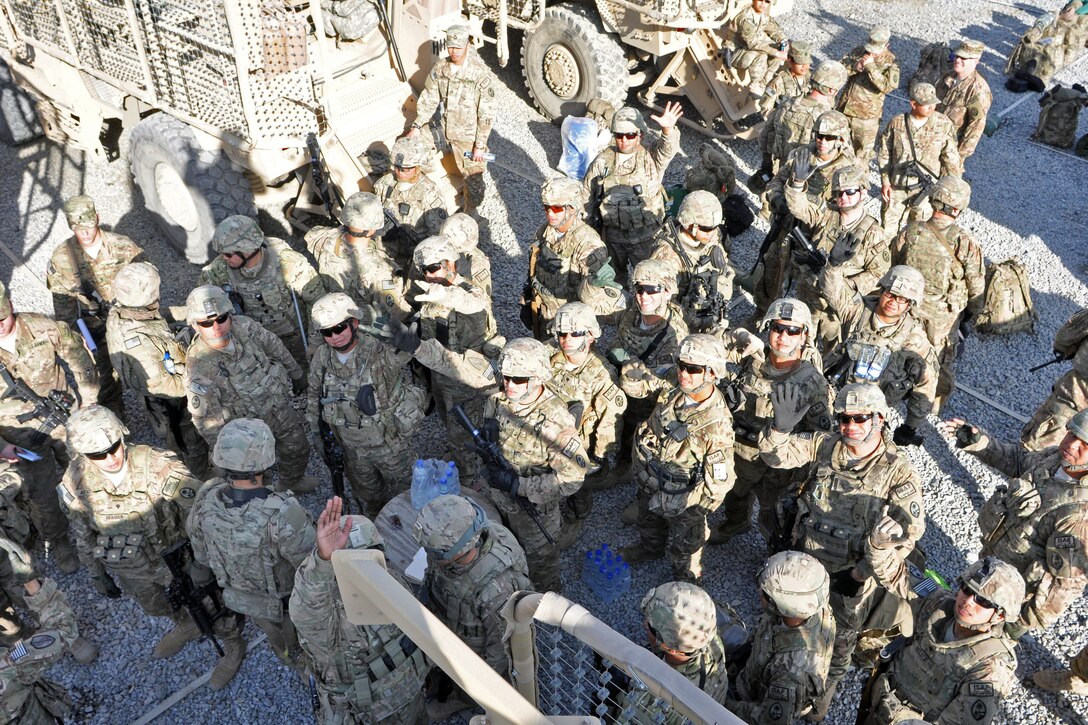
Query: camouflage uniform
[787, 668]
[463, 232]
[416, 207]
[784, 85]
[966, 102]
[28, 698]
[82, 288]
[253, 539]
[758, 38]
[14, 519]
[624, 192]
[151, 362]
[266, 290]
[862, 99]
[367, 674]
[790, 126]
[377, 442]
[466, 96]
[1068, 396]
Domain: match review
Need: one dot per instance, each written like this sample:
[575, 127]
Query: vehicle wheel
[570, 60]
[18, 119]
[188, 189]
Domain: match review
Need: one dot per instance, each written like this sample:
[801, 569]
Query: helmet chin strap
[351, 340]
[873, 429]
[982, 626]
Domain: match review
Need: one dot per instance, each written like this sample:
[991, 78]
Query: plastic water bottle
[422, 477]
[168, 363]
[431, 479]
[449, 482]
[606, 573]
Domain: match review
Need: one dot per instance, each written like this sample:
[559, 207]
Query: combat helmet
[795, 584]
[433, 250]
[951, 192]
[904, 281]
[363, 210]
[789, 309]
[575, 316]
[681, 615]
[206, 302]
[136, 285]
[448, 526]
[94, 429]
[408, 153]
[237, 233]
[462, 230]
[706, 350]
[627, 120]
[700, 208]
[829, 77]
[363, 534]
[654, 272]
[332, 309]
[561, 191]
[1078, 425]
[5, 302]
[245, 446]
[998, 582]
[524, 357]
[832, 123]
[848, 177]
[862, 398]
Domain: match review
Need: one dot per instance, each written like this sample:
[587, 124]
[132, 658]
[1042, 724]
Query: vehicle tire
[570, 60]
[18, 119]
[188, 189]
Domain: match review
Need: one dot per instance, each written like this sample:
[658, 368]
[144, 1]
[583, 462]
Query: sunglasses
[516, 379]
[707, 230]
[691, 369]
[981, 601]
[896, 298]
[405, 168]
[102, 455]
[629, 135]
[335, 329]
[849, 192]
[573, 333]
[826, 137]
[786, 329]
[215, 321]
[430, 268]
[856, 419]
[555, 208]
[648, 289]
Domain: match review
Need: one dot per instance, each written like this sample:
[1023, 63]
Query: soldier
[352, 258]
[1039, 521]
[1068, 394]
[955, 275]
[361, 388]
[790, 81]
[367, 674]
[843, 230]
[856, 481]
[916, 148]
[128, 504]
[567, 258]
[473, 567]
[884, 343]
[874, 73]
[38, 352]
[960, 662]
[791, 646]
[547, 461]
[252, 538]
[411, 200]
[463, 232]
[965, 96]
[80, 276]
[684, 461]
[463, 87]
[760, 45]
[693, 246]
[236, 369]
[150, 361]
[581, 375]
[681, 622]
[788, 330]
[623, 187]
[266, 280]
[1073, 680]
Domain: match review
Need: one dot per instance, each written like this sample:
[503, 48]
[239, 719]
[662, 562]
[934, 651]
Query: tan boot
[65, 556]
[1060, 681]
[306, 484]
[83, 651]
[234, 651]
[636, 554]
[183, 632]
[629, 515]
[568, 537]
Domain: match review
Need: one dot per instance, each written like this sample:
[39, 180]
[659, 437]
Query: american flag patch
[17, 652]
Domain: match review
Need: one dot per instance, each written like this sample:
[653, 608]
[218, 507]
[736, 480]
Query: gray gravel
[1027, 201]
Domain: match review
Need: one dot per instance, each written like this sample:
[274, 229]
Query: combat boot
[637, 553]
[83, 651]
[183, 632]
[65, 556]
[1060, 681]
[11, 626]
[568, 537]
[629, 515]
[728, 529]
[234, 651]
[306, 484]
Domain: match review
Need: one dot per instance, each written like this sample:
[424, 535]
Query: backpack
[1059, 116]
[1007, 305]
[1070, 335]
[933, 64]
[1082, 147]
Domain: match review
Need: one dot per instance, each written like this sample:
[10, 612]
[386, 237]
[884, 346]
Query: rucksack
[1007, 305]
[1059, 116]
[1070, 335]
[933, 64]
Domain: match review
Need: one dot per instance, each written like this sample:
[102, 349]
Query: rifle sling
[913, 151]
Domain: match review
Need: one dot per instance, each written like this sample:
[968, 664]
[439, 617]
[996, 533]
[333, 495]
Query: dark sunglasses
[648, 289]
[982, 601]
[849, 192]
[102, 455]
[691, 369]
[786, 329]
[629, 135]
[555, 208]
[216, 321]
[430, 268]
[856, 419]
[826, 137]
[335, 329]
[405, 168]
[516, 379]
[573, 333]
[896, 298]
[707, 230]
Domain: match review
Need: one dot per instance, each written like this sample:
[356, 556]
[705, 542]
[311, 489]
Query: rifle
[330, 195]
[298, 318]
[334, 459]
[489, 453]
[183, 593]
[926, 178]
[52, 409]
[810, 255]
[1057, 359]
[315, 701]
[889, 651]
[704, 299]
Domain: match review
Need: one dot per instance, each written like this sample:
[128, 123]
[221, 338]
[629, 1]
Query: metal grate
[103, 38]
[38, 19]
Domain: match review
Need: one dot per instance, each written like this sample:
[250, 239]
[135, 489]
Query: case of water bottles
[606, 573]
[431, 479]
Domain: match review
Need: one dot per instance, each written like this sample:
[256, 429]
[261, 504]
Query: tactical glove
[502, 479]
[298, 385]
[846, 246]
[813, 259]
[967, 435]
[888, 533]
[104, 585]
[906, 435]
[404, 339]
[803, 169]
[788, 410]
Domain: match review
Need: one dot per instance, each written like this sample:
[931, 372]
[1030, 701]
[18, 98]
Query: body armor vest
[630, 199]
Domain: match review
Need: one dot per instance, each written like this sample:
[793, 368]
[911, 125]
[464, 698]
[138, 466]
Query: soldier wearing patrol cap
[363, 390]
[410, 200]
[952, 263]
[265, 280]
[365, 673]
[874, 73]
[854, 480]
[789, 81]
[791, 645]
[237, 369]
[250, 537]
[1038, 522]
[965, 96]
[622, 187]
[693, 246]
[151, 362]
[462, 88]
[684, 461]
[884, 343]
[463, 232]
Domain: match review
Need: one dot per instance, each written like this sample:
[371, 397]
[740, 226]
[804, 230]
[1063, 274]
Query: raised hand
[330, 535]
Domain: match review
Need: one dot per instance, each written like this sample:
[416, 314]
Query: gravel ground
[1027, 201]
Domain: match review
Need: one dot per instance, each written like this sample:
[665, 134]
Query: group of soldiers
[855, 316]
